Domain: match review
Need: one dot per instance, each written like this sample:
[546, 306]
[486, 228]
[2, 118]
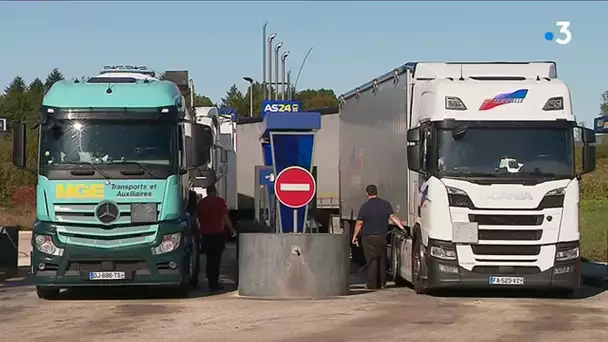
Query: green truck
[119, 154]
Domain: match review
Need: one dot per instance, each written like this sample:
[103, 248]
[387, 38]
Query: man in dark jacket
[372, 225]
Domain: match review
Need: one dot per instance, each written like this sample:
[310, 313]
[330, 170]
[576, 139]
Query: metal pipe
[302, 66]
[250, 80]
[264, 61]
[276, 69]
[270, 39]
[192, 94]
[289, 93]
[284, 75]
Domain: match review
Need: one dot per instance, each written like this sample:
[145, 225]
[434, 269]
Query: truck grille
[507, 220]
[78, 213]
[510, 235]
[505, 250]
[116, 265]
[506, 270]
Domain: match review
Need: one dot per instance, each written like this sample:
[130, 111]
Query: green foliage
[604, 103]
[310, 98]
[594, 235]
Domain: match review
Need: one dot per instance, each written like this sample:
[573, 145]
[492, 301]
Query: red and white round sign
[295, 187]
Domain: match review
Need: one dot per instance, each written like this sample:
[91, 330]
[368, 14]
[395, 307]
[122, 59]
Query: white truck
[223, 133]
[478, 161]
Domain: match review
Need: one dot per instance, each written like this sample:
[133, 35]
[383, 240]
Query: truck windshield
[493, 151]
[69, 142]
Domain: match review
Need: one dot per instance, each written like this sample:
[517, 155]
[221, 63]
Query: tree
[202, 101]
[17, 86]
[317, 98]
[16, 104]
[53, 77]
[235, 99]
[604, 103]
[36, 87]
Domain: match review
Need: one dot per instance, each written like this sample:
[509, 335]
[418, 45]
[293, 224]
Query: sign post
[295, 187]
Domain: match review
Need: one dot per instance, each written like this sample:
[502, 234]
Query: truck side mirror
[19, 143]
[413, 157]
[589, 157]
[413, 135]
[204, 178]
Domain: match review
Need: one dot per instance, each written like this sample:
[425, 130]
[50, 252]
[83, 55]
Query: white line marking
[294, 187]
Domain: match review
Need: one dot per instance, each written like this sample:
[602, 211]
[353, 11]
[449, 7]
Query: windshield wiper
[135, 163]
[105, 175]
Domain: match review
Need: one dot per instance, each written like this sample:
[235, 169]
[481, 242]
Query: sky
[353, 42]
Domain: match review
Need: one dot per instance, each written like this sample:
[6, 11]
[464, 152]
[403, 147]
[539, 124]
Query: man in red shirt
[212, 219]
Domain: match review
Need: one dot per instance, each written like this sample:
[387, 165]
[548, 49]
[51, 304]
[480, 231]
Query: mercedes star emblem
[107, 212]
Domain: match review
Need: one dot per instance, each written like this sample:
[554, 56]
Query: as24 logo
[282, 107]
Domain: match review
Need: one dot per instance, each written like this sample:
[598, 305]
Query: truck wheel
[396, 263]
[417, 262]
[48, 293]
[195, 263]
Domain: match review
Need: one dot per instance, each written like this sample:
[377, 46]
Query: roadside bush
[24, 197]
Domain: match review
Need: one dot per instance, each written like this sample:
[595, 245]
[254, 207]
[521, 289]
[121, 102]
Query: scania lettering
[119, 154]
[478, 159]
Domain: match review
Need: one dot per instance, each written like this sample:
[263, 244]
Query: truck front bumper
[140, 266]
[449, 274]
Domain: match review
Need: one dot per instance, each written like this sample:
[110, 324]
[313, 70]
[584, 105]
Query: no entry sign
[295, 187]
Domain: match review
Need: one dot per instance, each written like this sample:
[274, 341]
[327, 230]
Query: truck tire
[396, 262]
[417, 261]
[48, 293]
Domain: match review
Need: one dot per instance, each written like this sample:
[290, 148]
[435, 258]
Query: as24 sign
[281, 106]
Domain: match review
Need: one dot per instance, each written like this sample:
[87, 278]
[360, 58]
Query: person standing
[213, 218]
[372, 225]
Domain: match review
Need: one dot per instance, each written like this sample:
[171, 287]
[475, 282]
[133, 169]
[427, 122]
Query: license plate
[106, 275]
[506, 280]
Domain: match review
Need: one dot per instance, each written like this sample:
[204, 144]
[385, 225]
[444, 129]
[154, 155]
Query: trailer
[325, 163]
[477, 161]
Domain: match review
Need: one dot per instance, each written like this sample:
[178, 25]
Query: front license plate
[106, 275]
[506, 280]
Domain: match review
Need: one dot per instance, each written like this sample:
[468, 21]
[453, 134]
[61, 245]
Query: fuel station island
[289, 260]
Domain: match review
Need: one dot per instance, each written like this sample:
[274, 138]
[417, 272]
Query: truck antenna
[461, 74]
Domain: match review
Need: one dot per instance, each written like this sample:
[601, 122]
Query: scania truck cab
[494, 185]
[118, 154]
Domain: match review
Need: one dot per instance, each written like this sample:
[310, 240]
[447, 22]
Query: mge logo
[79, 191]
[281, 107]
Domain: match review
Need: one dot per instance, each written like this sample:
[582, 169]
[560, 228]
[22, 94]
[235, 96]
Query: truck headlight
[443, 253]
[458, 198]
[553, 199]
[567, 254]
[44, 244]
[169, 244]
